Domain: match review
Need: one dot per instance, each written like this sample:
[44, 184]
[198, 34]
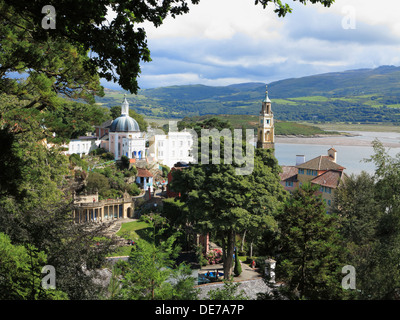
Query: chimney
[333, 154]
[300, 159]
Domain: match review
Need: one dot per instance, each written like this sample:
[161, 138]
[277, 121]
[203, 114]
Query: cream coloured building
[171, 148]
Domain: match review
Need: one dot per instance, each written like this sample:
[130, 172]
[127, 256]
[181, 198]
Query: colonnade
[103, 211]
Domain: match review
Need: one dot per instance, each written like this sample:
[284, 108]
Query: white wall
[82, 147]
[172, 148]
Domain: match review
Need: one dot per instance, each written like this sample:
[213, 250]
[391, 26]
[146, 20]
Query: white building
[125, 138]
[83, 145]
[172, 148]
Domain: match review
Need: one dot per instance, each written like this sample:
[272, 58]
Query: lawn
[130, 231]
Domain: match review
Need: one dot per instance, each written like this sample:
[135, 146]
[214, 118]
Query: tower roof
[124, 123]
[266, 95]
[125, 107]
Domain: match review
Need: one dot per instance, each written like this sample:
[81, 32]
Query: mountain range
[363, 95]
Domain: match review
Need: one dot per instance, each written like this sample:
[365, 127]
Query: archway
[129, 213]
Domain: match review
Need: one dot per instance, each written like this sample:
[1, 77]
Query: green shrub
[97, 151]
[123, 163]
[200, 257]
[132, 189]
[238, 266]
[165, 170]
[107, 156]
[97, 181]
[260, 263]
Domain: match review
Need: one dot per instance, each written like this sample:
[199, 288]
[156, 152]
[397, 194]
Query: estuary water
[351, 151]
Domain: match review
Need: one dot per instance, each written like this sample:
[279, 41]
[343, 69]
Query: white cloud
[222, 42]
[219, 19]
[186, 79]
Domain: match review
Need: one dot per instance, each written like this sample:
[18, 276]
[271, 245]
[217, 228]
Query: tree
[20, 273]
[224, 203]
[238, 266]
[356, 205]
[99, 182]
[377, 256]
[151, 272]
[31, 172]
[311, 254]
[72, 119]
[70, 247]
[227, 292]
[369, 213]
[359, 214]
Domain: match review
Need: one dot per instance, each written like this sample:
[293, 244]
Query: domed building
[125, 138]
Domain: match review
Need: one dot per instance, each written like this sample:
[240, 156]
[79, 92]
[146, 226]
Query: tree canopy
[311, 255]
[222, 202]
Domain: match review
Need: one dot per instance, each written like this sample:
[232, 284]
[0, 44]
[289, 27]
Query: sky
[223, 42]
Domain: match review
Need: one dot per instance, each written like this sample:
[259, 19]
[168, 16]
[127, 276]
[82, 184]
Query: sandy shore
[331, 141]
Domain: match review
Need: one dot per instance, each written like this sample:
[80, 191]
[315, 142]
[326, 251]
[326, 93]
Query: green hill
[364, 95]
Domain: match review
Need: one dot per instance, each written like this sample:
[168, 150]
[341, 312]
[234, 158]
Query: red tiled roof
[321, 163]
[289, 173]
[329, 179]
[143, 173]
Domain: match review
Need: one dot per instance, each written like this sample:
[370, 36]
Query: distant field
[281, 127]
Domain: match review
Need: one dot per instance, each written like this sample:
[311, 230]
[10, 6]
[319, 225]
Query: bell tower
[266, 130]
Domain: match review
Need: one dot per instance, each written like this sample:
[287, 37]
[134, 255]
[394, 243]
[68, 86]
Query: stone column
[116, 146]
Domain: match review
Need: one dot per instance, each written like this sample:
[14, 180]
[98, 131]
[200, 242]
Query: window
[301, 171]
[329, 202]
[289, 183]
[325, 189]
